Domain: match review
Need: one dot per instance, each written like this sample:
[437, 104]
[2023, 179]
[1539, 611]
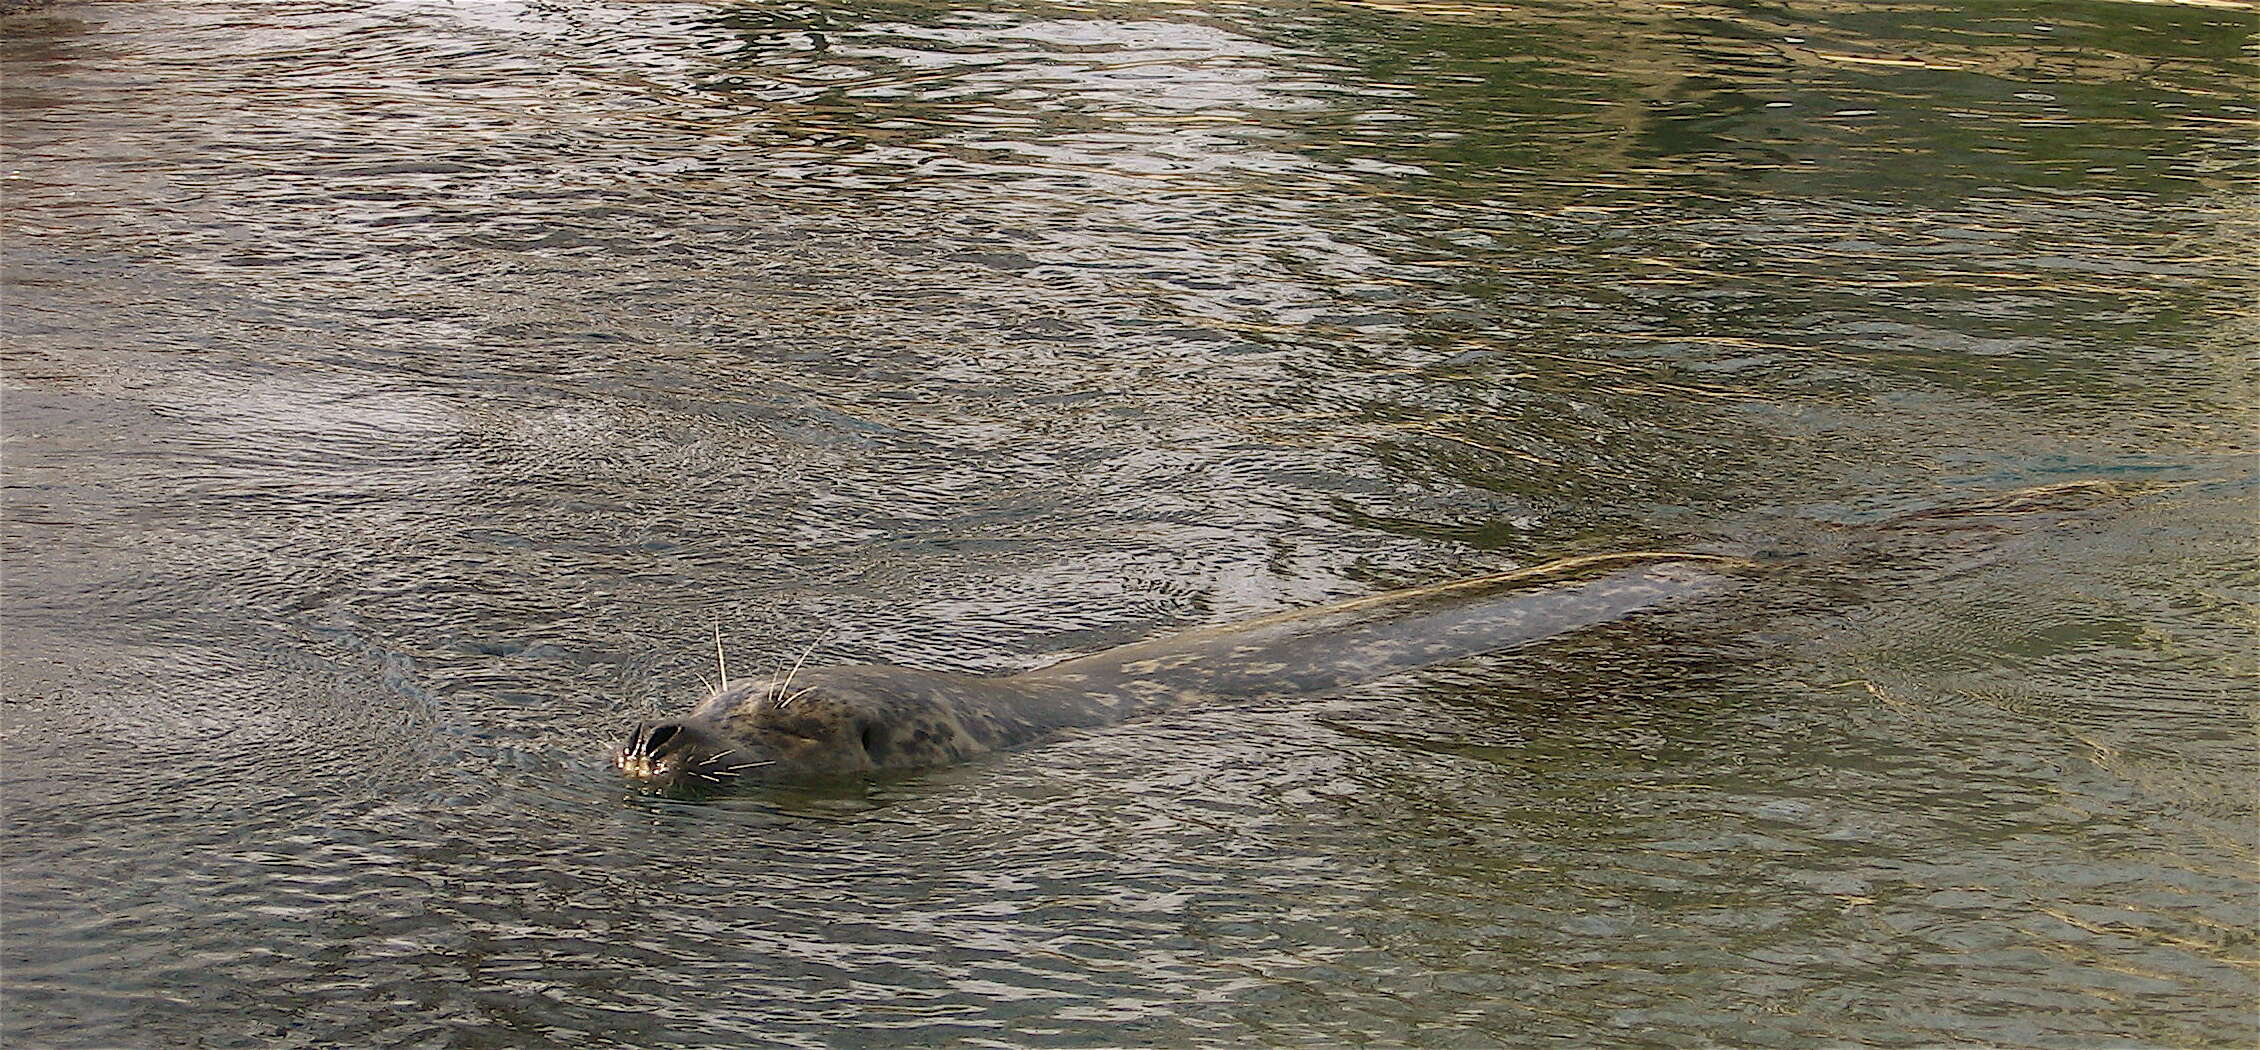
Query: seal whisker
[796, 696]
[788, 682]
[721, 666]
[776, 677]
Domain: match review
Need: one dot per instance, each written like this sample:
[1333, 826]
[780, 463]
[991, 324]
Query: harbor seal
[841, 721]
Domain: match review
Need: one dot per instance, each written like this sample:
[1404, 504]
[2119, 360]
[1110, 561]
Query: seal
[827, 722]
[842, 721]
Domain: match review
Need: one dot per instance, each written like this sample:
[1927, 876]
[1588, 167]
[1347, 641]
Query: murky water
[399, 394]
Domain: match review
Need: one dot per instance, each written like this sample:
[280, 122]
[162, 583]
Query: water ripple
[400, 395]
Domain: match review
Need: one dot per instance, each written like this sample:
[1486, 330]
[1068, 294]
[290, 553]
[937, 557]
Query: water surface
[399, 395]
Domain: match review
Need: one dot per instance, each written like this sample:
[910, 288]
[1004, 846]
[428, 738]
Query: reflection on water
[399, 393]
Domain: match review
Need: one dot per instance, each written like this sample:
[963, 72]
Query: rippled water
[399, 395]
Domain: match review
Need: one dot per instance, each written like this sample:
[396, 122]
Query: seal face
[750, 731]
[839, 721]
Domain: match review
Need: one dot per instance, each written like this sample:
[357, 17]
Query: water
[400, 394]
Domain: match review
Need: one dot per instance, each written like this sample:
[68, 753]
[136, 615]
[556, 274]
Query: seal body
[841, 721]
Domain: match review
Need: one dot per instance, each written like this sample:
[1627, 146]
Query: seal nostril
[659, 736]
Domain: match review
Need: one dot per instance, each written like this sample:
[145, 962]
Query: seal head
[842, 721]
[748, 732]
